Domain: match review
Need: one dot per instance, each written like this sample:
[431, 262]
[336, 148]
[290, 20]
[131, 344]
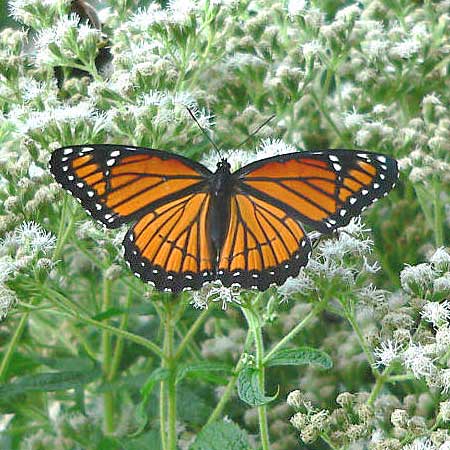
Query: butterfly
[191, 226]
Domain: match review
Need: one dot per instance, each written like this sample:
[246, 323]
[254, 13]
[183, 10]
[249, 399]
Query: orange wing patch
[322, 189]
[116, 184]
[263, 245]
[170, 247]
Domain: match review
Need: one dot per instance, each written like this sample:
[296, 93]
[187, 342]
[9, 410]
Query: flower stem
[191, 333]
[169, 330]
[255, 326]
[108, 396]
[286, 339]
[225, 397]
[438, 219]
[12, 346]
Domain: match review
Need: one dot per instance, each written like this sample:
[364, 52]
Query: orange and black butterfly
[193, 226]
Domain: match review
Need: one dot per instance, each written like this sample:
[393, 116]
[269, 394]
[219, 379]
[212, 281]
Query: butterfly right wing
[169, 247]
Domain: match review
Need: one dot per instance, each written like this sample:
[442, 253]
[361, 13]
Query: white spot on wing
[68, 151]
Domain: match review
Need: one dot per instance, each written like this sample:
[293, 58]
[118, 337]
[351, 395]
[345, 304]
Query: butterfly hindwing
[169, 247]
[116, 184]
[263, 245]
[323, 189]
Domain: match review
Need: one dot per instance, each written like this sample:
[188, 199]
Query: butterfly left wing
[263, 245]
[117, 183]
[323, 189]
[169, 247]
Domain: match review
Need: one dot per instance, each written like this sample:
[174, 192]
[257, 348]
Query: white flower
[349, 12]
[311, 48]
[363, 136]
[416, 277]
[301, 283]
[198, 300]
[143, 19]
[416, 360]
[353, 119]
[443, 338]
[387, 352]
[180, 10]
[296, 7]
[445, 446]
[219, 293]
[273, 147]
[436, 313]
[406, 49]
[444, 380]
[420, 444]
[441, 259]
[31, 236]
[7, 300]
[442, 284]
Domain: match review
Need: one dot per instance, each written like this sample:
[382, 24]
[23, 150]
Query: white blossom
[416, 360]
[420, 276]
[8, 299]
[441, 259]
[387, 352]
[299, 284]
[420, 444]
[436, 313]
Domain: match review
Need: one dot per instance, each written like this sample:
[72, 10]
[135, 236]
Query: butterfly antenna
[204, 131]
[256, 131]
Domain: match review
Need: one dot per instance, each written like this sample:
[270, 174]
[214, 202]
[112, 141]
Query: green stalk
[171, 389]
[191, 333]
[108, 396]
[255, 326]
[231, 384]
[438, 217]
[12, 347]
[118, 349]
[286, 339]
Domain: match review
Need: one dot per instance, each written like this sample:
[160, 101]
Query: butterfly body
[192, 226]
[220, 186]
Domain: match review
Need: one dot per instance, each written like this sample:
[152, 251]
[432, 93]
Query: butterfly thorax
[220, 187]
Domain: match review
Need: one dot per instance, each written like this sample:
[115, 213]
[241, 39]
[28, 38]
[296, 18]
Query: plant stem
[380, 380]
[119, 341]
[191, 333]
[171, 389]
[438, 219]
[12, 346]
[231, 384]
[364, 346]
[108, 396]
[294, 331]
[255, 325]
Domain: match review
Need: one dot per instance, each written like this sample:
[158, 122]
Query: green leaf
[299, 356]
[202, 369]
[220, 436]
[48, 382]
[159, 374]
[248, 388]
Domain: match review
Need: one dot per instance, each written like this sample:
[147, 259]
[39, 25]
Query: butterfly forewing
[323, 189]
[116, 184]
[263, 245]
[169, 247]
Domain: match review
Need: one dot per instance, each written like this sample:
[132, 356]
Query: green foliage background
[91, 358]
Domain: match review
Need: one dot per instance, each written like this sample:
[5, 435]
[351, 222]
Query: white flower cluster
[20, 248]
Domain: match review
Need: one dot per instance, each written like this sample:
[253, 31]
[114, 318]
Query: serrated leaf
[248, 388]
[159, 374]
[48, 382]
[202, 368]
[299, 356]
[220, 436]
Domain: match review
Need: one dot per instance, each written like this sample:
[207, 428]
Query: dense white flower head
[296, 7]
[8, 299]
[418, 361]
[417, 277]
[293, 285]
[436, 313]
[387, 352]
[420, 444]
[441, 259]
